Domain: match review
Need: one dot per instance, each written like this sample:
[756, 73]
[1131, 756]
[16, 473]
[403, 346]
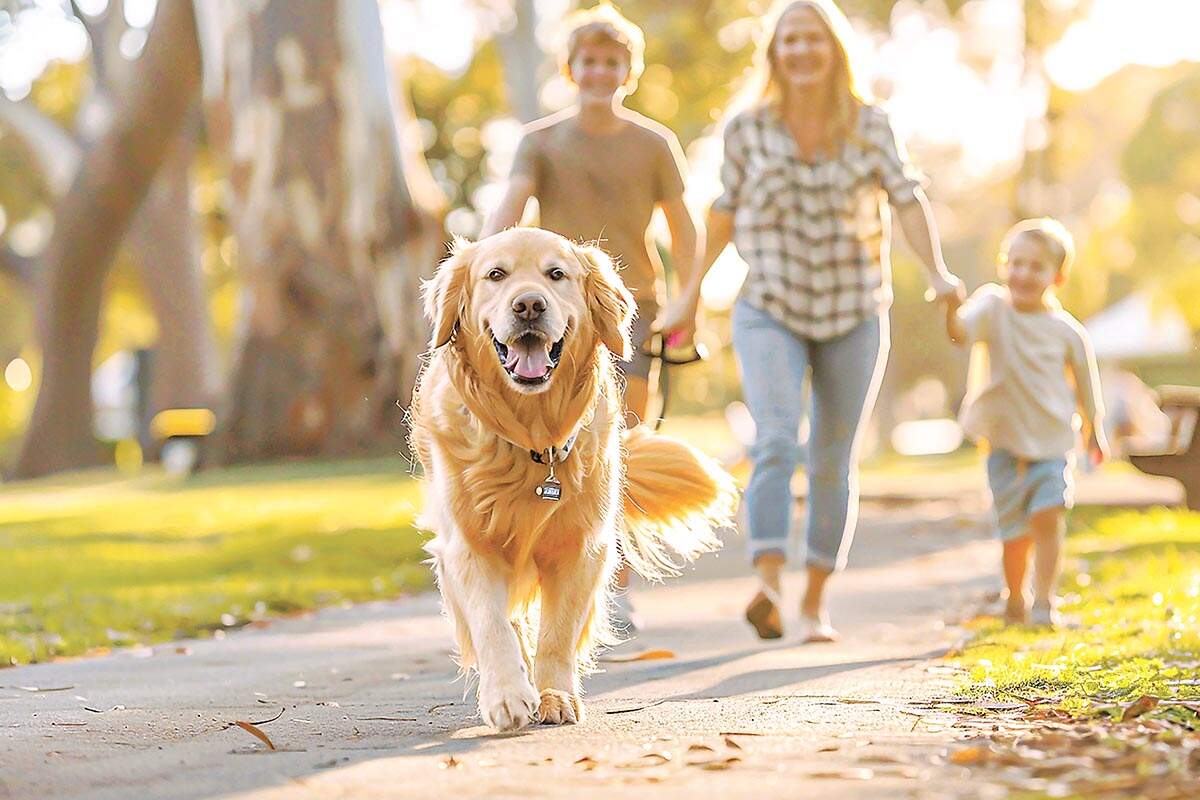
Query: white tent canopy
[1140, 326]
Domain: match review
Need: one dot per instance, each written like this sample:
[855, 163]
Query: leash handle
[659, 346]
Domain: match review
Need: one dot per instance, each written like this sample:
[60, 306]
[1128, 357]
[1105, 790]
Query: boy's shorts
[1021, 488]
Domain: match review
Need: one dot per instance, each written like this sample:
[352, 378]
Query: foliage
[1133, 602]
[94, 561]
[1162, 167]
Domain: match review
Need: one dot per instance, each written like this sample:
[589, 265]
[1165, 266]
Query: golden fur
[525, 580]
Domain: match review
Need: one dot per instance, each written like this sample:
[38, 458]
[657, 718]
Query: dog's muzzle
[529, 359]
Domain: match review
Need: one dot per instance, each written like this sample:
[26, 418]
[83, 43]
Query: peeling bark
[332, 237]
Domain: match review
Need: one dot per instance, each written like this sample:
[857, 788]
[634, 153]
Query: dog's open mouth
[530, 359]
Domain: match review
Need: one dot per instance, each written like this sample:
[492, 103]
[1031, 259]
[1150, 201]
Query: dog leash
[659, 347]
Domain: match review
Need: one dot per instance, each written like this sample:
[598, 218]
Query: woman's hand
[944, 286]
[1097, 447]
[678, 322]
[947, 284]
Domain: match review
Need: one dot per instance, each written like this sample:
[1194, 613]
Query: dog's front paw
[508, 705]
[559, 708]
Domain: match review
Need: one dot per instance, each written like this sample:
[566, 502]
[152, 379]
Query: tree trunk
[90, 222]
[330, 233]
[165, 244]
[522, 57]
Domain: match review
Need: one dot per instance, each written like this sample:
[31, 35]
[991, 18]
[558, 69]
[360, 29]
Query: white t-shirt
[1030, 373]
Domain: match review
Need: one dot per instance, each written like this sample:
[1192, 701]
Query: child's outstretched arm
[955, 328]
[1087, 393]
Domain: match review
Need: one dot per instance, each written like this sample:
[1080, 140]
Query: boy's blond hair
[1047, 232]
[605, 24]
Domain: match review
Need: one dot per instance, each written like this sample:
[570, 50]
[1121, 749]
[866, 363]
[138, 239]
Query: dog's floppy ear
[610, 304]
[445, 293]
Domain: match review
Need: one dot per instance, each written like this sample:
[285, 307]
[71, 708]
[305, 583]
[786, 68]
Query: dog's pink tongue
[530, 362]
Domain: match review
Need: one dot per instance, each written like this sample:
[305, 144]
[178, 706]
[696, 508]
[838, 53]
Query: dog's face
[534, 297]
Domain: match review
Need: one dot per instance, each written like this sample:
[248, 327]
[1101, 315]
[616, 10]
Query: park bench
[1179, 456]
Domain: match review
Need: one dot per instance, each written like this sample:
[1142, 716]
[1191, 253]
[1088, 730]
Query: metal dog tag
[550, 489]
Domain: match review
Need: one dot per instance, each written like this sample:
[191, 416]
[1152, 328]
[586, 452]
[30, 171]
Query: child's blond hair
[1047, 232]
[604, 24]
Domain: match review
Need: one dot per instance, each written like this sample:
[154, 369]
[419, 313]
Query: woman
[599, 171]
[806, 170]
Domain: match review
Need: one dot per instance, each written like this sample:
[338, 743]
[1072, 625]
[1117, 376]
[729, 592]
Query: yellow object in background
[128, 456]
[183, 422]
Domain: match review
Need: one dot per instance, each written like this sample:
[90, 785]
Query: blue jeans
[846, 372]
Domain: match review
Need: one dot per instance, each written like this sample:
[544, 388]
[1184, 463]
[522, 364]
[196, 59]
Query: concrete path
[370, 709]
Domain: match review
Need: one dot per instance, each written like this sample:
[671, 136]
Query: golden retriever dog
[533, 488]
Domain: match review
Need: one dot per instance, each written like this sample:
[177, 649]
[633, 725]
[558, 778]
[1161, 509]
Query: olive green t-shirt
[604, 188]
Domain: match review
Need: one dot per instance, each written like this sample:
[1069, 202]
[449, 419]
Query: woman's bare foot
[1016, 612]
[817, 629]
[763, 614]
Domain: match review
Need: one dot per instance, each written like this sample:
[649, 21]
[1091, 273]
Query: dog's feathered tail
[675, 498]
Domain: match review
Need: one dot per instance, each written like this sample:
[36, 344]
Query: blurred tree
[332, 218]
[162, 241]
[1161, 166]
[333, 224]
[91, 220]
[523, 61]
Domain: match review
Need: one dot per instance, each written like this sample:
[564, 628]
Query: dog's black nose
[529, 306]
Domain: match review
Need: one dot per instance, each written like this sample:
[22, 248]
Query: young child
[1031, 371]
[599, 171]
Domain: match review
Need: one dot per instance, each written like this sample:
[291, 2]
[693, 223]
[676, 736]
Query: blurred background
[288, 189]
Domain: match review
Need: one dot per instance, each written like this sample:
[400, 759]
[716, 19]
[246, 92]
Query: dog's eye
[497, 274]
[556, 274]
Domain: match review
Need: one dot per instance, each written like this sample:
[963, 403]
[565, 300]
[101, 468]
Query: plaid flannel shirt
[814, 234]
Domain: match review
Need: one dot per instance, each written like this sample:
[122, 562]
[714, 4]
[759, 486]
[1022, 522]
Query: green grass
[97, 560]
[1132, 592]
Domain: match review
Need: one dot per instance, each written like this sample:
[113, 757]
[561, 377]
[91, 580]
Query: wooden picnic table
[1179, 456]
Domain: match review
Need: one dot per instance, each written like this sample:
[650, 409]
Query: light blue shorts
[1021, 488]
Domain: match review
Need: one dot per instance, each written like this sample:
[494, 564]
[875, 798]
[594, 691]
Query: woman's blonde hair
[604, 24]
[765, 87]
[1050, 234]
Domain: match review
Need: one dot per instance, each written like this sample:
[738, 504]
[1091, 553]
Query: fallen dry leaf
[637, 708]
[449, 762]
[968, 756]
[858, 774]
[254, 731]
[700, 748]
[644, 655]
[724, 763]
[272, 719]
[731, 743]
[1139, 707]
[656, 759]
[587, 762]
